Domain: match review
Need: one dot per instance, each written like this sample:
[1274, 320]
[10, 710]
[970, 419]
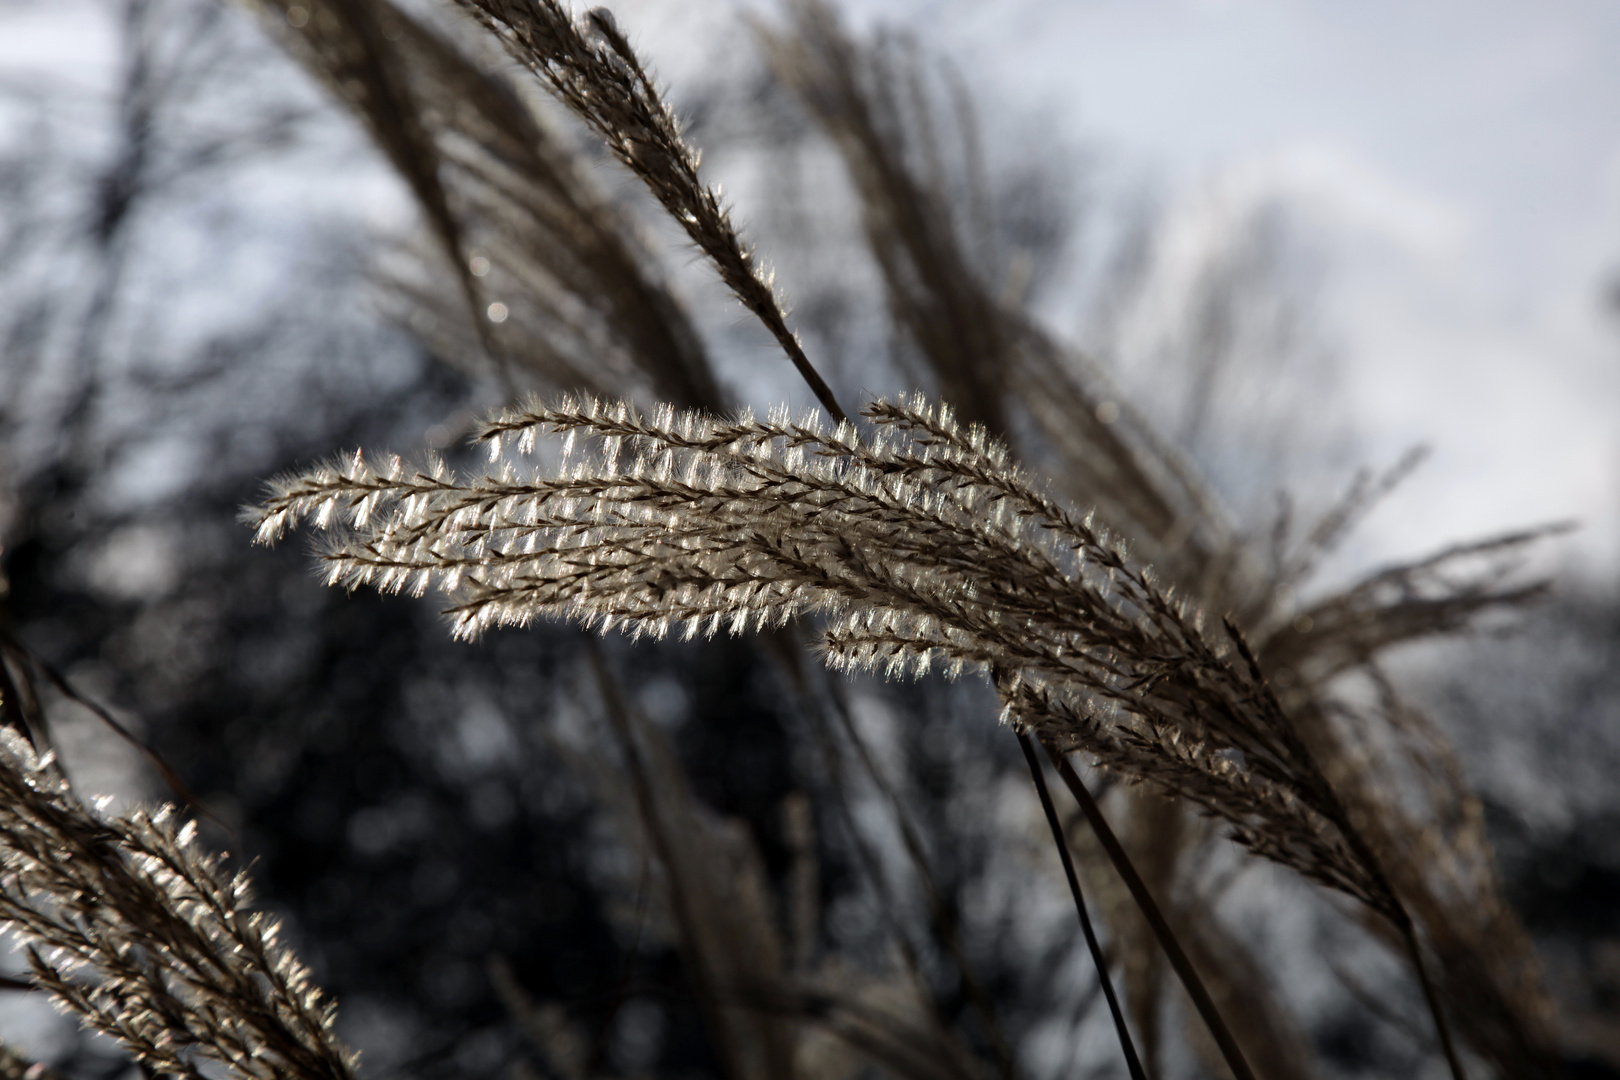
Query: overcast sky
[1462, 159]
[1458, 159]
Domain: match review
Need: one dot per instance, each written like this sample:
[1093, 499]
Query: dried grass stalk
[133, 929]
[989, 358]
[1138, 484]
[921, 544]
[589, 65]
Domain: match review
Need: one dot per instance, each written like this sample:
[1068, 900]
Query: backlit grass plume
[131, 927]
[918, 541]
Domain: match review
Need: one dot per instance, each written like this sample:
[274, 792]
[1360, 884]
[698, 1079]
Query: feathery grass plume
[142, 936]
[590, 66]
[1436, 595]
[1398, 775]
[991, 362]
[1293, 560]
[922, 544]
[1138, 484]
[501, 167]
[512, 208]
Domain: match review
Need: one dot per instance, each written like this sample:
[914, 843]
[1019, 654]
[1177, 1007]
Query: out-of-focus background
[1299, 238]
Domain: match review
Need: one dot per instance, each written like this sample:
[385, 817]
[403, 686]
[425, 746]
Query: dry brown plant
[921, 544]
[502, 183]
[991, 361]
[1198, 717]
[915, 540]
[989, 357]
[132, 928]
[589, 66]
[466, 109]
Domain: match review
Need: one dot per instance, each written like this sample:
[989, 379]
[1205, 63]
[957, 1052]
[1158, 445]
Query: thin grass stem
[1409, 932]
[1201, 999]
[1132, 1062]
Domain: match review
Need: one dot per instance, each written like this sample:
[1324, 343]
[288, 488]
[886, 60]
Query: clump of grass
[1197, 716]
[135, 930]
[913, 538]
[921, 544]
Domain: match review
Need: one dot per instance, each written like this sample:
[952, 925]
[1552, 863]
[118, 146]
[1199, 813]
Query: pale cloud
[1345, 190]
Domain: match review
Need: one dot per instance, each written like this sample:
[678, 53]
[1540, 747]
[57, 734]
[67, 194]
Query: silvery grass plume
[919, 542]
[589, 66]
[992, 361]
[133, 929]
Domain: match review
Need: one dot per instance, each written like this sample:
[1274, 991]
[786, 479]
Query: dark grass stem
[1447, 1047]
[1201, 999]
[1132, 1062]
